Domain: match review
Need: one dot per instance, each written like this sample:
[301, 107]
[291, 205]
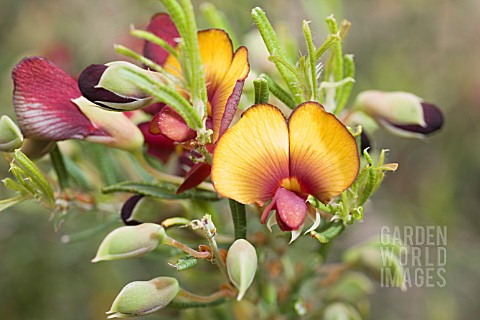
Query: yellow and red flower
[266, 157]
[225, 73]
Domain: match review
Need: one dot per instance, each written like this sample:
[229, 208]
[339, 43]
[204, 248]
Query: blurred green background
[427, 47]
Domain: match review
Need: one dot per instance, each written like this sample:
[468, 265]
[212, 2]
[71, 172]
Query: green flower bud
[140, 298]
[340, 311]
[401, 113]
[241, 265]
[11, 137]
[130, 241]
[109, 87]
[122, 132]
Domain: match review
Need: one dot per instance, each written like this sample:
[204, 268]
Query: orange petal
[323, 154]
[216, 51]
[251, 159]
[238, 72]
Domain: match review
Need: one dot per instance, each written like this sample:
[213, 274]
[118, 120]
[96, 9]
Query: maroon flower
[50, 107]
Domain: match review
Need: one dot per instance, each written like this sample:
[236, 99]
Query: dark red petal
[42, 100]
[433, 118]
[231, 107]
[127, 210]
[268, 208]
[197, 174]
[154, 108]
[157, 145]
[89, 79]
[169, 123]
[163, 27]
[291, 209]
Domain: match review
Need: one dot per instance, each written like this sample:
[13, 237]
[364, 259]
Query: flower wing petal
[323, 154]
[163, 27]
[227, 93]
[43, 102]
[251, 159]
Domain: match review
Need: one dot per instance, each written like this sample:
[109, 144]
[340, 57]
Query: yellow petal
[238, 71]
[251, 159]
[323, 154]
[216, 51]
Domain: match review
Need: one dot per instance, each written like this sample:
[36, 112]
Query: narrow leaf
[239, 219]
[160, 190]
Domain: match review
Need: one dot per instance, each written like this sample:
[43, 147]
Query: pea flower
[401, 113]
[265, 157]
[225, 73]
[50, 107]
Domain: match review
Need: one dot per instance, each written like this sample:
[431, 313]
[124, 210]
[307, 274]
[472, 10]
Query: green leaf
[165, 94]
[274, 48]
[33, 173]
[279, 92]
[17, 186]
[59, 166]
[334, 230]
[160, 190]
[261, 90]
[185, 263]
[239, 219]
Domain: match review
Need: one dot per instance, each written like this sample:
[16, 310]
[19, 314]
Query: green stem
[210, 231]
[199, 89]
[239, 218]
[59, 166]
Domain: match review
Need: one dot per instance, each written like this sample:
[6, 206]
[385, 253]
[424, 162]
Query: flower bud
[340, 310]
[241, 265]
[130, 241]
[401, 113]
[140, 209]
[140, 298]
[122, 133]
[11, 137]
[109, 87]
